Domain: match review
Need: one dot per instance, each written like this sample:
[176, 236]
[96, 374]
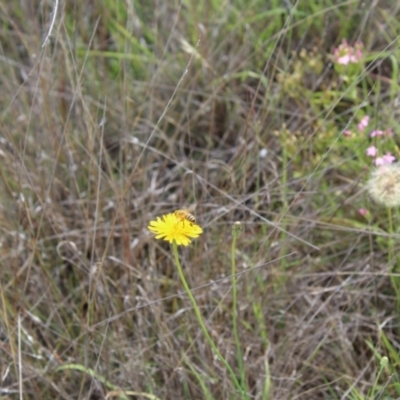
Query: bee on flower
[178, 226]
[185, 214]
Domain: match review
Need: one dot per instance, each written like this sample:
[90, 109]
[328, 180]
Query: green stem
[391, 262]
[390, 252]
[235, 313]
[200, 319]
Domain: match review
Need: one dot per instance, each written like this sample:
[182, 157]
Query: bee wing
[191, 208]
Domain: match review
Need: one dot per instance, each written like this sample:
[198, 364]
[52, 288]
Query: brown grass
[95, 145]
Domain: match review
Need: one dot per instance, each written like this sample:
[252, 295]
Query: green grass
[237, 109]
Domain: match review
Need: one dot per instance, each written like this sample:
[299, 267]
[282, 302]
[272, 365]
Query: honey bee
[185, 214]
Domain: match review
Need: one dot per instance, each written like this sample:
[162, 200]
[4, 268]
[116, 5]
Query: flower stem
[235, 312]
[391, 261]
[200, 319]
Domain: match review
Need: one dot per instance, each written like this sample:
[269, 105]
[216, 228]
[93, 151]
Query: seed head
[384, 185]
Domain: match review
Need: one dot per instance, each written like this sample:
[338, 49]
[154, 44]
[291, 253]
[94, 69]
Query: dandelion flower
[384, 185]
[171, 228]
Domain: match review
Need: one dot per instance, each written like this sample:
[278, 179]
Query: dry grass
[125, 116]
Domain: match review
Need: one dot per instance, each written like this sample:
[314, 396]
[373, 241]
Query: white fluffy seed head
[384, 185]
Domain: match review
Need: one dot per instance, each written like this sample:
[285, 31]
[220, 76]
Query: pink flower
[363, 211]
[347, 133]
[372, 151]
[358, 47]
[363, 123]
[344, 60]
[388, 132]
[389, 158]
[376, 133]
[345, 54]
[379, 161]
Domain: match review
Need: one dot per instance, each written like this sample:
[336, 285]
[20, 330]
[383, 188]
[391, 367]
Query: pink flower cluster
[363, 123]
[361, 126]
[388, 158]
[345, 54]
[372, 151]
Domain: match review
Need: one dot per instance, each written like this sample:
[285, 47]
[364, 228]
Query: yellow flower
[171, 228]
